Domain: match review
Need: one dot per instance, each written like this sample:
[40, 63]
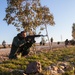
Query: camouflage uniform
[19, 45]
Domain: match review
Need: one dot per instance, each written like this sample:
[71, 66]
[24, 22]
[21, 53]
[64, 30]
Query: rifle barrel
[30, 36]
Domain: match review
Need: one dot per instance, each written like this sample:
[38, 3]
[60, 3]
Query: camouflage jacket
[17, 42]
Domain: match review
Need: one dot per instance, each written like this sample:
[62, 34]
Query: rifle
[31, 38]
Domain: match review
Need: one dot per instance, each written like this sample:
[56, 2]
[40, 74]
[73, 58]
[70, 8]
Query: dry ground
[4, 54]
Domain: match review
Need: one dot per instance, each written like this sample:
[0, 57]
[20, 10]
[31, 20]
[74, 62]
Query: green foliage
[69, 73]
[46, 59]
[27, 14]
[73, 31]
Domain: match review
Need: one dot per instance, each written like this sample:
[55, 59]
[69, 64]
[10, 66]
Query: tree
[4, 43]
[73, 31]
[27, 14]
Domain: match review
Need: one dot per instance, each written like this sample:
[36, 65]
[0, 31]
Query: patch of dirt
[4, 53]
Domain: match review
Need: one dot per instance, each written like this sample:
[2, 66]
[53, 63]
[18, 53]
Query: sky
[64, 17]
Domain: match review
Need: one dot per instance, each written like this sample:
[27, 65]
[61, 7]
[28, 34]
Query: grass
[46, 58]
